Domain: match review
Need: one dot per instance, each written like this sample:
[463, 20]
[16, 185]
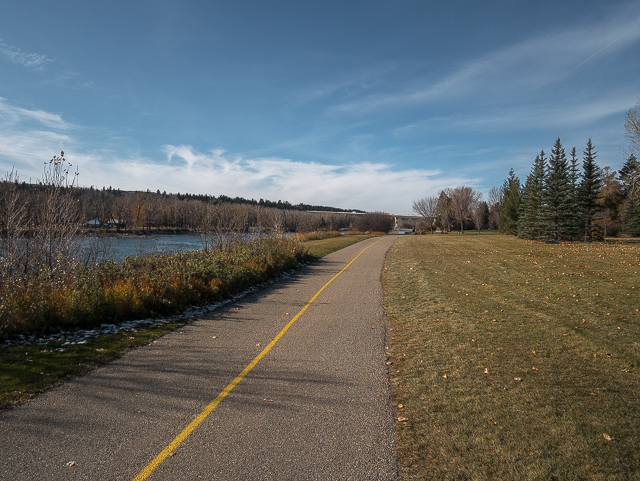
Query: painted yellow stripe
[151, 467]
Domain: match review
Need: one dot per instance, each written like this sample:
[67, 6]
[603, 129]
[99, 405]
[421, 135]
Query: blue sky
[354, 104]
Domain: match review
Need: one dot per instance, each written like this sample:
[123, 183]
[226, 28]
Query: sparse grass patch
[318, 235]
[29, 370]
[322, 247]
[514, 359]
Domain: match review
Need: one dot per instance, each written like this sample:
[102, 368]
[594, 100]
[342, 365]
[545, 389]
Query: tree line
[563, 198]
[21, 204]
[458, 208]
[562, 202]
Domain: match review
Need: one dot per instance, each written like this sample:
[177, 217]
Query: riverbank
[73, 297]
[32, 364]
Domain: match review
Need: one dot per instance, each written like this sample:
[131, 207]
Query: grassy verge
[321, 247]
[29, 370]
[514, 360]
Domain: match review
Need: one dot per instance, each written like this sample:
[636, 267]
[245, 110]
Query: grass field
[514, 360]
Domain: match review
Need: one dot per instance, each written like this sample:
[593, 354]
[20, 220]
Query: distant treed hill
[135, 209]
[212, 199]
[223, 199]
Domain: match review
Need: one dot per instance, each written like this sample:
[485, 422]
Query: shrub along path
[316, 406]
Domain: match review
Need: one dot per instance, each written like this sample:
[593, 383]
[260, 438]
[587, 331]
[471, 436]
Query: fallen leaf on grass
[607, 437]
[445, 376]
[400, 406]
[402, 419]
[389, 363]
[100, 350]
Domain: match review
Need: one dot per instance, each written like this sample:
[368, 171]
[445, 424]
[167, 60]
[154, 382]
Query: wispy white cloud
[371, 186]
[364, 185]
[28, 137]
[12, 115]
[16, 55]
[565, 116]
[515, 70]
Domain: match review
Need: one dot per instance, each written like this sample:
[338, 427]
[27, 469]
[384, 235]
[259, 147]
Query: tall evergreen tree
[632, 215]
[510, 206]
[589, 190]
[629, 177]
[574, 219]
[556, 196]
[529, 219]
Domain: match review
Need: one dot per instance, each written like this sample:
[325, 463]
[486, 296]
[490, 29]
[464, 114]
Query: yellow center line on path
[151, 467]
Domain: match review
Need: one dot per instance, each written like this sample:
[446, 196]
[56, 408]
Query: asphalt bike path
[289, 383]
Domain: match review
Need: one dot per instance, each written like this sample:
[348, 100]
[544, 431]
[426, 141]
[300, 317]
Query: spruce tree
[529, 219]
[510, 206]
[574, 218]
[556, 196]
[629, 177]
[589, 190]
[632, 215]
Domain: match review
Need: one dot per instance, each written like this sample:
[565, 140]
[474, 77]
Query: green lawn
[322, 247]
[514, 360]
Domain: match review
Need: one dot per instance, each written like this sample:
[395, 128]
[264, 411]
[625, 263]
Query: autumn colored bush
[141, 286]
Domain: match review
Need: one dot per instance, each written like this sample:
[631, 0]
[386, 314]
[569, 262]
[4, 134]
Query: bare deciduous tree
[427, 207]
[444, 210]
[462, 199]
[12, 216]
[495, 199]
[478, 210]
[632, 127]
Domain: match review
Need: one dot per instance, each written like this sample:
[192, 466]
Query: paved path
[317, 406]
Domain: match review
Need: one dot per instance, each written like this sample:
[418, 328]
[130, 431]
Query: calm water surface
[119, 247]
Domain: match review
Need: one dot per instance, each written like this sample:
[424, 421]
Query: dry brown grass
[512, 359]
